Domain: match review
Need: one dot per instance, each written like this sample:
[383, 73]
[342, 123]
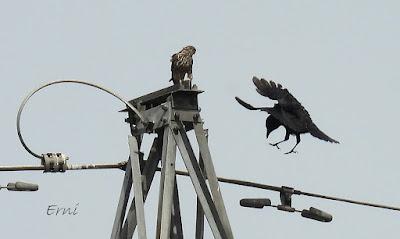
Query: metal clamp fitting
[54, 162]
[286, 195]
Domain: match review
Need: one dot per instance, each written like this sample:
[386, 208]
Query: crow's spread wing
[244, 104]
[249, 106]
[293, 114]
[275, 92]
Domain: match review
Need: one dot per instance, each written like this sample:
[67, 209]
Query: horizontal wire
[121, 165]
[296, 192]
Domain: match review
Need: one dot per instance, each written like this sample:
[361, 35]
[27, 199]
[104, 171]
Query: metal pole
[199, 210]
[162, 177]
[137, 186]
[123, 201]
[149, 170]
[168, 188]
[176, 231]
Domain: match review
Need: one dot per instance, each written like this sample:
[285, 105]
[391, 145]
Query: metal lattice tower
[171, 112]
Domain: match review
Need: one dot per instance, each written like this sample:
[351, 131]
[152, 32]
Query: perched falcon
[288, 112]
[181, 64]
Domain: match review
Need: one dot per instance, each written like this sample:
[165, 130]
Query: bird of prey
[288, 112]
[181, 64]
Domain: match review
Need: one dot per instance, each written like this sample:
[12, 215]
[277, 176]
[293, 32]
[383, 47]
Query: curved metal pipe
[129, 105]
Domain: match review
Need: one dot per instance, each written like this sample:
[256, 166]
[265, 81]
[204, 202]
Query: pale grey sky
[339, 58]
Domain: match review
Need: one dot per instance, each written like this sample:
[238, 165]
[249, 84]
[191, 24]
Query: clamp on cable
[54, 162]
[286, 199]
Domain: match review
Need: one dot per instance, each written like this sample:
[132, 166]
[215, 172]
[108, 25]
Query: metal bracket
[286, 195]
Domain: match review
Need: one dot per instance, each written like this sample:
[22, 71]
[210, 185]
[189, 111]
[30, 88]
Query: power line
[121, 165]
[296, 192]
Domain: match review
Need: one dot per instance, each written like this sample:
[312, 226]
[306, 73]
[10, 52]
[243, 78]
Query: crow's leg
[298, 141]
[285, 139]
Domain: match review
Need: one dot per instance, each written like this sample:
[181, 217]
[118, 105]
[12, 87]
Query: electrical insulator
[255, 202]
[316, 214]
[21, 186]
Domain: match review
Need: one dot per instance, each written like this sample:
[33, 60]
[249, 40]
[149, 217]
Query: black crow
[288, 112]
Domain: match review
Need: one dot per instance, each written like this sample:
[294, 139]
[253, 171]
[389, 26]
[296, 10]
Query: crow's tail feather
[314, 131]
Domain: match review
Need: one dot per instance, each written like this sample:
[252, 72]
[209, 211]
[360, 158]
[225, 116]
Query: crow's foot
[291, 151]
[275, 145]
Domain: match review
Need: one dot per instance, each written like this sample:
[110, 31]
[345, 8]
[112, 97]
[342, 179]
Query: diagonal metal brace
[137, 186]
[149, 170]
[212, 177]
[198, 181]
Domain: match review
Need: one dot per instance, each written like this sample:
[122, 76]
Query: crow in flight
[288, 112]
[181, 64]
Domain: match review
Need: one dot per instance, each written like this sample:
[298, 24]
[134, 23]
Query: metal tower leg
[199, 183]
[176, 231]
[123, 201]
[137, 186]
[148, 172]
[162, 177]
[199, 211]
[212, 177]
[168, 189]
